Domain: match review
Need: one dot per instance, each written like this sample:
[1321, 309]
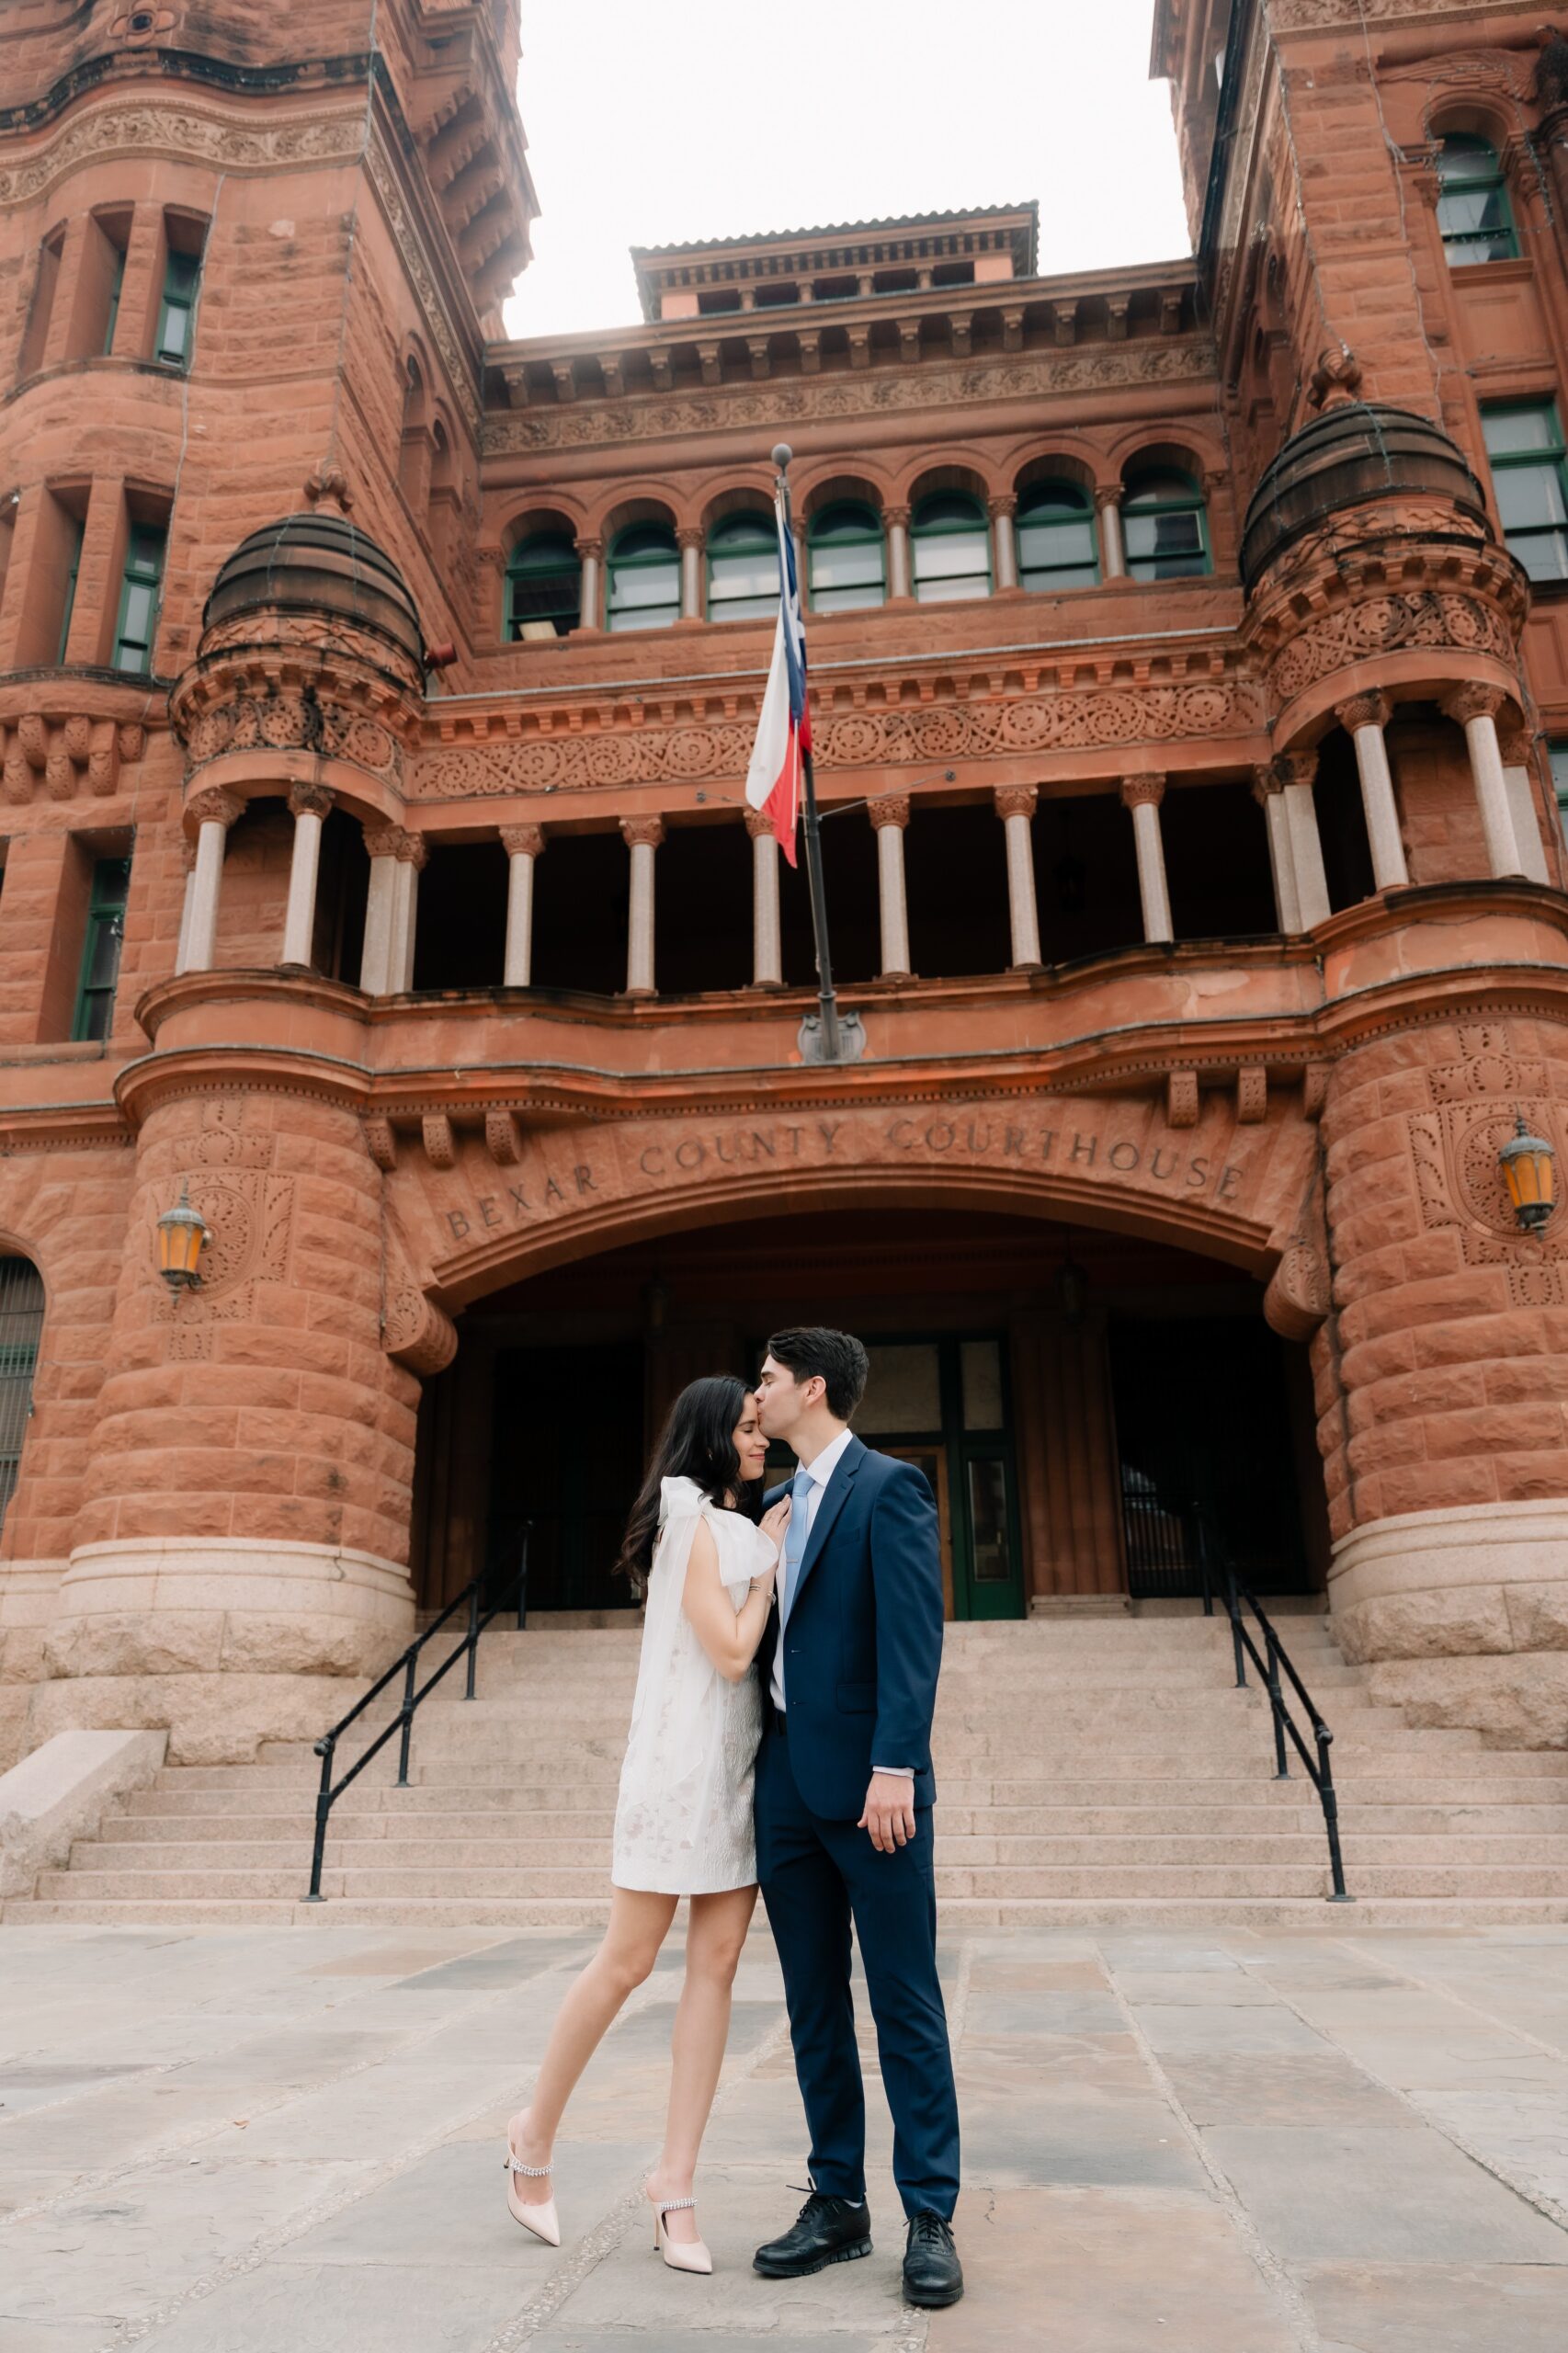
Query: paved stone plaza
[1226, 2142]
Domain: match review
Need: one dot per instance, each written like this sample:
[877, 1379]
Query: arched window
[845, 558]
[644, 577]
[1056, 536]
[544, 587]
[1473, 212]
[742, 569]
[951, 546]
[1165, 528]
[21, 1322]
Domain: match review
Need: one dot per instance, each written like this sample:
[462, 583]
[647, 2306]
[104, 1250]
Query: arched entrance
[1067, 1389]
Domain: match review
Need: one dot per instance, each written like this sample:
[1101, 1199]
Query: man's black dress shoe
[932, 2272]
[826, 2230]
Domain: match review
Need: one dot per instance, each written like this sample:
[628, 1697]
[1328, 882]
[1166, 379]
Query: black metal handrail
[1238, 1600]
[470, 1598]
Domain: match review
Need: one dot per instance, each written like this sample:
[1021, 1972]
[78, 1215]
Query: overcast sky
[647, 125]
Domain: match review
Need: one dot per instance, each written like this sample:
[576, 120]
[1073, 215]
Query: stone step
[1256, 1849]
[997, 1883]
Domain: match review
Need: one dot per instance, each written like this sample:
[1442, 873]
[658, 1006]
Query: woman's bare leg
[715, 1937]
[639, 1923]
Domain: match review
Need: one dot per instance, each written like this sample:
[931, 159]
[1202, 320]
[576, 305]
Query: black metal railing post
[1238, 1636]
[523, 1577]
[473, 1639]
[405, 1715]
[1277, 1708]
[1330, 1798]
[323, 1807]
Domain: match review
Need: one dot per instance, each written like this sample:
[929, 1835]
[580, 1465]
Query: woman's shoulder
[682, 1499]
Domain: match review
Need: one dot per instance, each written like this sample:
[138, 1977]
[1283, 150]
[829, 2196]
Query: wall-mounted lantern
[1529, 1173]
[182, 1235]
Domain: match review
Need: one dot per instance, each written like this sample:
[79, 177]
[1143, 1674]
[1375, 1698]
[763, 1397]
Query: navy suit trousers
[818, 1876]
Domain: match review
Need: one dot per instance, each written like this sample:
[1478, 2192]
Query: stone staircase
[1089, 1770]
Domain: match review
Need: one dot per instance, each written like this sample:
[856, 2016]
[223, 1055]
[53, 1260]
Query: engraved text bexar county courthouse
[1189, 679]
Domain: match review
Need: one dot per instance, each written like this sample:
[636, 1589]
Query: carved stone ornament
[642, 833]
[1181, 1099]
[1387, 623]
[523, 841]
[1143, 791]
[67, 753]
[503, 1138]
[1336, 379]
[1295, 768]
[310, 801]
[192, 130]
[1016, 800]
[1252, 1097]
[889, 809]
[759, 824]
[413, 1329]
[1468, 702]
[1300, 1291]
[440, 1145]
[380, 1143]
[1362, 711]
[213, 807]
[990, 728]
[328, 487]
[1475, 1101]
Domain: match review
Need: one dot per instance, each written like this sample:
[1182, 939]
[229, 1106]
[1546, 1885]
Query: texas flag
[784, 730]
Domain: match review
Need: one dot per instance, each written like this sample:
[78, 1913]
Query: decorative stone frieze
[67, 755]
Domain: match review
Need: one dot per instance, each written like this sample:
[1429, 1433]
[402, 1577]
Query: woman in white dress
[683, 1822]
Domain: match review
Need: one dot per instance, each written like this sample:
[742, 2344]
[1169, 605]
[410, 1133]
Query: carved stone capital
[310, 801]
[1295, 768]
[889, 809]
[412, 849]
[523, 841]
[1266, 782]
[589, 548]
[759, 824]
[642, 833]
[1016, 800]
[1465, 703]
[1106, 494]
[689, 535]
[213, 806]
[393, 841]
[1516, 744]
[1363, 711]
[1143, 791]
[1001, 502]
[897, 517]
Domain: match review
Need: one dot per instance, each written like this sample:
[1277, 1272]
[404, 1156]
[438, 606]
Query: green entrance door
[568, 1456]
[943, 1403]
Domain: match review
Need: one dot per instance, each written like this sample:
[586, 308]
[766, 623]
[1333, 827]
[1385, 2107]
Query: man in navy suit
[844, 1796]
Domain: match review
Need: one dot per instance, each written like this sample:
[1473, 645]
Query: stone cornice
[743, 405]
[192, 128]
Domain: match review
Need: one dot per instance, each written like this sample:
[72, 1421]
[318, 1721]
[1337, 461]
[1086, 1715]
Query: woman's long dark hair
[696, 1442]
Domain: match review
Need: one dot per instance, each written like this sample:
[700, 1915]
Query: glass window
[845, 558]
[951, 546]
[742, 569]
[904, 1391]
[1056, 536]
[181, 274]
[1165, 528]
[979, 1363]
[989, 1533]
[1473, 212]
[21, 1323]
[100, 954]
[72, 569]
[138, 600]
[543, 588]
[1558, 755]
[1524, 446]
[644, 578]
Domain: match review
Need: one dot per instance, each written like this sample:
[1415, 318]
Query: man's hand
[889, 1812]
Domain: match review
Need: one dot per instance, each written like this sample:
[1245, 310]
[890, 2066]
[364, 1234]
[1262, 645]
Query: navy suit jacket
[863, 1647]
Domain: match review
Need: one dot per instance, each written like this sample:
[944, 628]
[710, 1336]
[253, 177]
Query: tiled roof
[838, 228]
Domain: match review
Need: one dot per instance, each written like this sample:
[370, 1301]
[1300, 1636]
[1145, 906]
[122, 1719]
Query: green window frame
[139, 598]
[951, 549]
[176, 311]
[71, 569]
[1164, 527]
[1057, 544]
[100, 950]
[644, 586]
[1557, 753]
[21, 1329]
[846, 558]
[544, 588]
[1530, 477]
[1474, 216]
[742, 569]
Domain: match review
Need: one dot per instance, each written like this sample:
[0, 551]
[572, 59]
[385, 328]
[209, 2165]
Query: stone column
[1002, 509]
[766, 936]
[523, 844]
[896, 519]
[1515, 745]
[1015, 804]
[1142, 795]
[212, 812]
[591, 556]
[1475, 710]
[182, 953]
[308, 804]
[1296, 771]
[387, 966]
[642, 837]
[1107, 506]
[1364, 717]
[688, 539]
[890, 815]
[1268, 791]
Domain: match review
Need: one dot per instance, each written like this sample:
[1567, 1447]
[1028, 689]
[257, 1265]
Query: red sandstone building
[1189, 658]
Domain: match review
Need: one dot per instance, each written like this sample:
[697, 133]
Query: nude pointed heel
[694, 2257]
[540, 2219]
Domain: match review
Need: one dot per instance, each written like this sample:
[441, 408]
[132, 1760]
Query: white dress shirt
[820, 1470]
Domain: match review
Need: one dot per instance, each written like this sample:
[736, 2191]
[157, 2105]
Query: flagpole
[827, 997]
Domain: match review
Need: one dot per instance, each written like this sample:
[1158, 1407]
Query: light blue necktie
[795, 1539]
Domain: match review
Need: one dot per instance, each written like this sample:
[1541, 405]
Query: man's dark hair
[836, 1356]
